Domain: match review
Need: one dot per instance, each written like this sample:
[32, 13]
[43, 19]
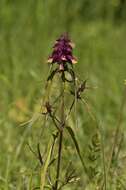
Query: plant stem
[59, 159]
[62, 124]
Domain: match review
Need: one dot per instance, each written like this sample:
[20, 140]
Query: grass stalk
[117, 130]
[104, 184]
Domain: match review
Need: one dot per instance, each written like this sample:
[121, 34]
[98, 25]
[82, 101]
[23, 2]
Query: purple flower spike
[62, 52]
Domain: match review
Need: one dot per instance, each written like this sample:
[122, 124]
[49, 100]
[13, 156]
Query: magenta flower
[62, 52]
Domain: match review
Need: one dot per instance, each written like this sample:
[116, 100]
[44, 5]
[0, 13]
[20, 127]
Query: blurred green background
[27, 32]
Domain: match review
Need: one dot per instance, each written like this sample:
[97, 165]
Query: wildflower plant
[63, 90]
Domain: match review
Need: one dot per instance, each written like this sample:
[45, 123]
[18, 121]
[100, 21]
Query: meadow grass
[25, 45]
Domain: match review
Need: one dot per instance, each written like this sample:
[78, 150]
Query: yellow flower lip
[74, 61]
[50, 60]
[72, 44]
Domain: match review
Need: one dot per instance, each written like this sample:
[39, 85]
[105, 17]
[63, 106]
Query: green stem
[59, 159]
[62, 124]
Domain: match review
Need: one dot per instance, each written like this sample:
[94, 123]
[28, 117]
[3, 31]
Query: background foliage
[27, 31]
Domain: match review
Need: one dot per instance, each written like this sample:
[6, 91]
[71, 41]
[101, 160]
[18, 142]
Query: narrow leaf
[45, 166]
[72, 134]
[39, 154]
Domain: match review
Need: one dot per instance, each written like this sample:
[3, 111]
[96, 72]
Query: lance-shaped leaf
[72, 134]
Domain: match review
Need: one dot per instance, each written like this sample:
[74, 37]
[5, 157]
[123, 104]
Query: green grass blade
[45, 166]
[30, 182]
